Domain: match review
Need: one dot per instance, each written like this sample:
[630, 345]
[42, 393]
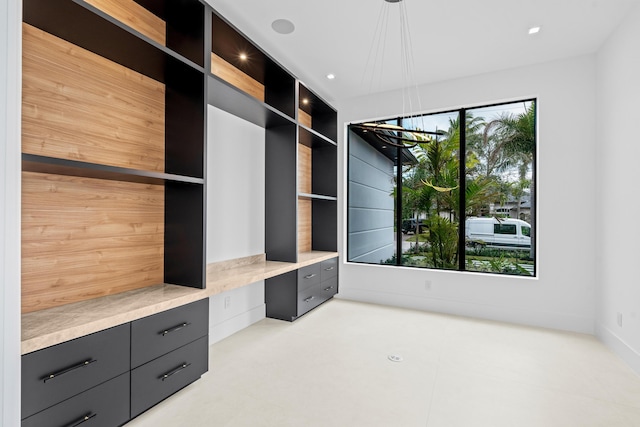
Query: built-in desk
[53, 326]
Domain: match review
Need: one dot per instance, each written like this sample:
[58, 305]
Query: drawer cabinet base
[106, 405]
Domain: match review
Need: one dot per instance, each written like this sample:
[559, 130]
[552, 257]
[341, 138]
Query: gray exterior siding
[370, 204]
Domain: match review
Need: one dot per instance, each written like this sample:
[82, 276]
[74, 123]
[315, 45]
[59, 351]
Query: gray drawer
[329, 287]
[59, 372]
[308, 276]
[155, 335]
[157, 380]
[310, 298]
[106, 405]
[328, 269]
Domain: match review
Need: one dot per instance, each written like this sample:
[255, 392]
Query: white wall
[10, 83]
[562, 296]
[618, 96]
[235, 214]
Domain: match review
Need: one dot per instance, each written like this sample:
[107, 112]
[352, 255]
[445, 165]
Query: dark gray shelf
[312, 138]
[317, 197]
[234, 101]
[52, 165]
[83, 25]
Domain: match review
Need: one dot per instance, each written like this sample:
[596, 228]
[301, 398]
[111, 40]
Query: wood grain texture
[236, 78]
[84, 238]
[304, 225]
[304, 118]
[79, 106]
[135, 16]
[304, 169]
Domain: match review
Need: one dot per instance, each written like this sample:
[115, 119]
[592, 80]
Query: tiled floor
[331, 368]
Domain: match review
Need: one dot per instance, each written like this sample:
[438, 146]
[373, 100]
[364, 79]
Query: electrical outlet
[227, 302]
[427, 285]
[619, 319]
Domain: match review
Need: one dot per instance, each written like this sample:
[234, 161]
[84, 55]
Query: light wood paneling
[304, 118]
[304, 169]
[135, 16]
[83, 238]
[235, 77]
[304, 225]
[79, 106]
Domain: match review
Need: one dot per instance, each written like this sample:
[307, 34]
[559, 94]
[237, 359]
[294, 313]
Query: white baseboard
[456, 307]
[619, 347]
[237, 323]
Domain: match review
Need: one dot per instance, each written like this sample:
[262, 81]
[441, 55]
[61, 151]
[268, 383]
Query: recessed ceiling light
[331, 76]
[243, 56]
[283, 26]
[305, 101]
[534, 30]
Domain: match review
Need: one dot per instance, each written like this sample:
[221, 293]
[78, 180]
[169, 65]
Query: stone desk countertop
[41, 329]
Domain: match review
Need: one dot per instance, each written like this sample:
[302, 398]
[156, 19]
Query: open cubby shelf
[53, 165]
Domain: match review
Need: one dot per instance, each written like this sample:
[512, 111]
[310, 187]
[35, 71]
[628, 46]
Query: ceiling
[450, 38]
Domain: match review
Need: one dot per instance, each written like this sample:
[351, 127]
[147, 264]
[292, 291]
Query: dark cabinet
[160, 378]
[161, 333]
[54, 374]
[106, 405]
[290, 295]
[111, 376]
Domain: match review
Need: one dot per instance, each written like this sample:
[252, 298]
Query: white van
[503, 233]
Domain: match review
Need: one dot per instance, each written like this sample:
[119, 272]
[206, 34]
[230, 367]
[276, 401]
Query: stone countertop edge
[45, 328]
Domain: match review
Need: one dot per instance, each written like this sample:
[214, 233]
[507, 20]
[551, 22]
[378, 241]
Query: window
[410, 207]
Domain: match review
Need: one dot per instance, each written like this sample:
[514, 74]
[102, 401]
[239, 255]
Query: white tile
[330, 368]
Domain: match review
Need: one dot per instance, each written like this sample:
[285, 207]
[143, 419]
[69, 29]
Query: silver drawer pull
[174, 329]
[329, 268]
[175, 371]
[309, 276]
[82, 420]
[309, 299]
[329, 288]
[69, 369]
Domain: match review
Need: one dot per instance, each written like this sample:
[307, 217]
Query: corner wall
[618, 202]
[10, 165]
[563, 295]
[235, 215]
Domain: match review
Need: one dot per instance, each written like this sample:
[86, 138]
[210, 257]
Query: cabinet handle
[175, 371]
[174, 329]
[69, 369]
[309, 276]
[328, 288]
[329, 268]
[309, 299]
[82, 420]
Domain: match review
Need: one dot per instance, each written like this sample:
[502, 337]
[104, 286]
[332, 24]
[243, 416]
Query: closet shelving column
[113, 147]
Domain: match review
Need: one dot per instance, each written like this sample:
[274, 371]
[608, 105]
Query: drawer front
[310, 298]
[155, 335]
[308, 276]
[57, 373]
[329, 287]
[106, 405]
[157, 380]
[328, 269]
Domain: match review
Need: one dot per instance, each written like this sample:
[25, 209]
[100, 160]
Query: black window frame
[398, 220]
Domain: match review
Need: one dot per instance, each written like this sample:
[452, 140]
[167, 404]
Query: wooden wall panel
[304, 225]
[236, 78]
[84, 238]
[304, 118]
[304, 169]
[135, 16]
[79, 106]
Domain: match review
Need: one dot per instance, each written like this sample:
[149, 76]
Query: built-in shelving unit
[113, 148]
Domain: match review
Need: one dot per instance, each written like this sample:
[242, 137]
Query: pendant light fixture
[395, 135]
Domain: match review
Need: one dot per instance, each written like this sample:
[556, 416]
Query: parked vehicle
[410, 226]
[501, 233]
